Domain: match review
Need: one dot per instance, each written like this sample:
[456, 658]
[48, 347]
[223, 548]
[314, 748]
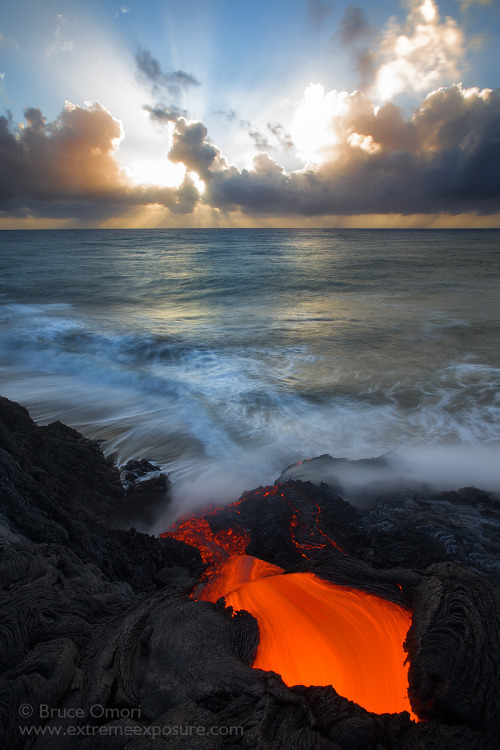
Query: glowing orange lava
[315, 633]
[213, 547]
[311, 632]
[234, 573]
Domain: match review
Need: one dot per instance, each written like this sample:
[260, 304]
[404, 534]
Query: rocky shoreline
[100, 647]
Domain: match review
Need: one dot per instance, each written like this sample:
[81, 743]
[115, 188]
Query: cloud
[440, 160]
[163, 114]
[353, 25]
[173, 82]
[423, 53]
[7, 41]
[123, 10]
[373, 160]
[228, 115]
[284, 139]
[191, 147]
[465, 4]
[274, 138]
[357, 36]
[70, 156]
[259, 139]
[68, 168]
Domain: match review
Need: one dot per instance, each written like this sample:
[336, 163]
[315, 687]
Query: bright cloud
[364, 142]
[69, 168]
[424, 53]
[441, 159]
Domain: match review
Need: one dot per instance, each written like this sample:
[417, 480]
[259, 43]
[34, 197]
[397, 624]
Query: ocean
[225, 355]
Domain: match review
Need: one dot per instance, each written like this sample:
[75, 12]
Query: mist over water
[227, 355]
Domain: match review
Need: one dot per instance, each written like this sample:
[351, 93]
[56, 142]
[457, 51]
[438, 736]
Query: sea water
[225, 355]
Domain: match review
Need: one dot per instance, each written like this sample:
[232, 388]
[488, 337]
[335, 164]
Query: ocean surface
[225, 355]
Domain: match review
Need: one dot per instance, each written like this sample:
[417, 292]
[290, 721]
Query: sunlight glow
[198, 183]
[161, 172]
[428, 10]
[483, 94]
[364, 142]
[313, 127]
[421, 54]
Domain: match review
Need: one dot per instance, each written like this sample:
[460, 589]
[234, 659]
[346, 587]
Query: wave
[221, 419]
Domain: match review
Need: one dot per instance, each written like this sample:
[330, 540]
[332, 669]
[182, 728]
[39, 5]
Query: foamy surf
[224, 365]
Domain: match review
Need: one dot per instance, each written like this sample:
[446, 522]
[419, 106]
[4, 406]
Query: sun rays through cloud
[157, 125]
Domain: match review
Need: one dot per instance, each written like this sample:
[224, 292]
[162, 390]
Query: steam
[417, 469]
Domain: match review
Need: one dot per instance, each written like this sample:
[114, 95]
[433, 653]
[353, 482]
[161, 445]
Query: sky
[219, 113]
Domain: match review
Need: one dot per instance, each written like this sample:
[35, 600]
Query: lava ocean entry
[343, 611]
[312, 631]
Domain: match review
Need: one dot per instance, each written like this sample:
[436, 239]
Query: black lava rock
[100, 646]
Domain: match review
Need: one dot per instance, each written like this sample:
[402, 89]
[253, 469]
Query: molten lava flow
[213, 547]
[234, 573]
[311, 632]
[315, 633]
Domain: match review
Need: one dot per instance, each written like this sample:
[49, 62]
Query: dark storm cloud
[353, 25]
[150, 70]
[171, 84]
[260, 140]
[163, 114]
[67, 168]
[191, 147]
[443, 159]
[283, 138]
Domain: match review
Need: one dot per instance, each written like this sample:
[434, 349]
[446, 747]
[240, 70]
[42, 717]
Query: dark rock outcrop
[57, 488]
[282, 519]
[99, 642]
[452, 644]
[462, 527]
